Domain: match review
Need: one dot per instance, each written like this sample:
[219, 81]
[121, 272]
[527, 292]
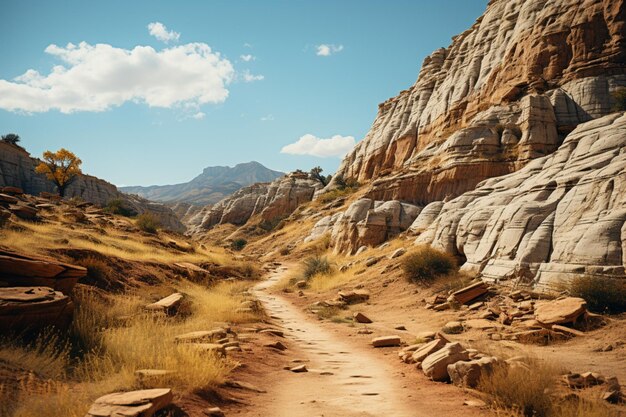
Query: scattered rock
[435, 366]
[566, 310]
[299, 369]
[397, 253]
[469, 293]
[22, 307]
[400, 327]
[386, 341]
[142, 403]
[467, 374]
[361, 318]
[427, 349]
[373, 260]
[301, 284]
[453, 327]
[276, 345]
[214, 412]
[354, 297]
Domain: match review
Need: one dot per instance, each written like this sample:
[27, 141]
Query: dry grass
[40, 237]
[425, 264]
[114, 337]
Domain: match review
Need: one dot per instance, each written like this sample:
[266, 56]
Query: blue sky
[142, 108]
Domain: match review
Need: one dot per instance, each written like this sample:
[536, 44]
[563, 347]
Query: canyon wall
[505, 92]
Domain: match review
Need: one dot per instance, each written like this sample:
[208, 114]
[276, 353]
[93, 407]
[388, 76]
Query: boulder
[23, 211]
[435, 365]
[453, 327]
[142, 403]
[386, 341]
[28, 307]
[468, 373]
[566, 310]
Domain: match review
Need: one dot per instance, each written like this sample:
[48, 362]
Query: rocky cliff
[505, 92]
[270, 201]
[560, 216]
[17, 169]
[211, 186]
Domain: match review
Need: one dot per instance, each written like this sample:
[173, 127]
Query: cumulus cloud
[328, 49]
[247, 57]
[311, 145]
[249, 77]
[159, 31]
[267, 118]
[198, 116]
[99, 77]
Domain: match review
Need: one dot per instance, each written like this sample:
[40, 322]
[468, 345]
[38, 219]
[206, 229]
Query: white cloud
[99, 77]
[159, 31]
[198, 116]
[328, 49]
[247, 45]
[311, 145]
[247, 57]
[267, 118]
[249, 77]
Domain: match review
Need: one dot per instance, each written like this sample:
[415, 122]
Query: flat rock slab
[469, 293]
[386, 341]
[566, 310]
[168, 303]
[201, 335]
[276, 345]
[33, 306]
[435, 365]
[191, 267]
[142, 403]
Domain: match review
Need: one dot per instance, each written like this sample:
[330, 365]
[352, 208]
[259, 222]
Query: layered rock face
[560, 216]
[365, 223]
[270, 201]
[504, 92]
[17, 169]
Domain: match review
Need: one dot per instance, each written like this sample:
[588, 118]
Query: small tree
[316, 173]
[60, 167]
[11, 138]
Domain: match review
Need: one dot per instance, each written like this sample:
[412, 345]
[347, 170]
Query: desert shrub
[99, 272]
[118, 206]
[148, 223]
[238, 244]
[603, 295]
[619, 97]
[522, 389]
[425, 264]
[249, 270]
[315, 265]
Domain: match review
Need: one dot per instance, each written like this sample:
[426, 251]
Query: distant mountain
[211, 186]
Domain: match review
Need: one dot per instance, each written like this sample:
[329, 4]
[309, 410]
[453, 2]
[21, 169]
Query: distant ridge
[211, 186]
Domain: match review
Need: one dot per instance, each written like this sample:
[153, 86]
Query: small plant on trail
[426, 264]
[148, 223]
[315, 265]
[603, 295]
[238, 244]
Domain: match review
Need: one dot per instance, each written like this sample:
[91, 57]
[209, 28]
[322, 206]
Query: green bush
[425, 264]
[118, 206]
[238, 244]
[148, 223]
[603, 295]
[315, 265]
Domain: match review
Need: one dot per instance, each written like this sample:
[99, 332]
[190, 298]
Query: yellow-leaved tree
[61, 167]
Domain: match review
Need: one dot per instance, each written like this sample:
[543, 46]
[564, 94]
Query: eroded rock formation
[365, 223]
[560, 216]
[270, 201]
[504, 92]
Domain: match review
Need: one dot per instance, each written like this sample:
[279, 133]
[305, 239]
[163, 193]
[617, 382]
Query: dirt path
[345, 378]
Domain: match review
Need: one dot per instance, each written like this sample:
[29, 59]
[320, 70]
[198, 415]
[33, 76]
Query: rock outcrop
[503, 93]
[17, 169]
[365, 223]
[270, 201]
[560, 216]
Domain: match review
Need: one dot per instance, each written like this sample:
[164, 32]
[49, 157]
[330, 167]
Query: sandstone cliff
[504, 92]
[270, 201]
[560, 216]
[17, 169]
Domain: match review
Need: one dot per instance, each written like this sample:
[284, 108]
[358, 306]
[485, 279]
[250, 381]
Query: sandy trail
[343, 379]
